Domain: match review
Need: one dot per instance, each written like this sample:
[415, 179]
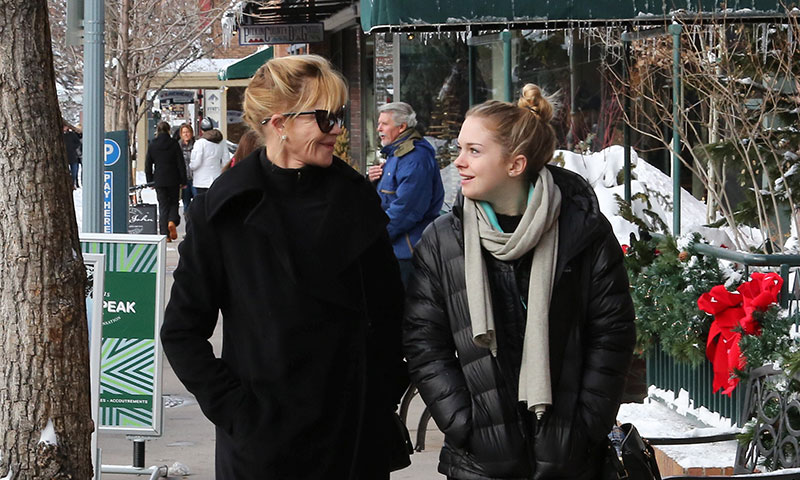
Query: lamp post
[93, 116]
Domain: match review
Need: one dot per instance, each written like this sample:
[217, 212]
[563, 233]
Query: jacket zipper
[521, 420]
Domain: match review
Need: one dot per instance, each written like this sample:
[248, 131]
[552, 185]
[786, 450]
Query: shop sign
[212, 108]
[280, 34]
[171, 97]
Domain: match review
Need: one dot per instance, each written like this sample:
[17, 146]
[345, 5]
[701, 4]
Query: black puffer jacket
[487, 435]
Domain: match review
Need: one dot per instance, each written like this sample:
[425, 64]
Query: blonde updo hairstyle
[295, 83]
[522, 129]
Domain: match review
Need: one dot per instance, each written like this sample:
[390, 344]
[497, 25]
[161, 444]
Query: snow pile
[603, 169]
[665, 415]
[178, 470]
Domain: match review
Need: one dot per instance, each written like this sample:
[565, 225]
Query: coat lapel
[265, 219]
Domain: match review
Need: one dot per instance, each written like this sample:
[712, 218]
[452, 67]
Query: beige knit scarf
[538, 229]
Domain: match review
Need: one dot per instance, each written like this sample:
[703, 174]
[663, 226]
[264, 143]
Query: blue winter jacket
[411, 190]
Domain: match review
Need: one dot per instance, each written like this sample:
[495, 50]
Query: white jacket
[207, 161]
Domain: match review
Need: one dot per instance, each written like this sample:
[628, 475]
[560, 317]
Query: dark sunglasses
[325, 119]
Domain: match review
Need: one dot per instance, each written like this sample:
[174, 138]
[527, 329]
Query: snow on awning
[246, 67]
[454, 15]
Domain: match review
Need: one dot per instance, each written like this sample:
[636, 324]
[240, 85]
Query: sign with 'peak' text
[130, 353]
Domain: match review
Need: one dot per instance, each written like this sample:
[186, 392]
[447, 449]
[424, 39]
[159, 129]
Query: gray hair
[401, 113]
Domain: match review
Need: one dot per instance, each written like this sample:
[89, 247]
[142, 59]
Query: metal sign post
[93, 116]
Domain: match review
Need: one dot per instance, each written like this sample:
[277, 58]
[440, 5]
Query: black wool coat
[164, 163]
[470, 393]
[311, 368]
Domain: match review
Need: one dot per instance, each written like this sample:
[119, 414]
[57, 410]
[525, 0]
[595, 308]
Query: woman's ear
[277, 122]
[517, 165]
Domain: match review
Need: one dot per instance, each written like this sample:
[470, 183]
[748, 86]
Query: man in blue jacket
[409, 182]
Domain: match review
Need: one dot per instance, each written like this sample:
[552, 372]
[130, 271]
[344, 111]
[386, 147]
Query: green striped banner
[126, 382]
[126, 257]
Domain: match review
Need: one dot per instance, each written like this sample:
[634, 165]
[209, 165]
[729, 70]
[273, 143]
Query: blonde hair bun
[535, 100]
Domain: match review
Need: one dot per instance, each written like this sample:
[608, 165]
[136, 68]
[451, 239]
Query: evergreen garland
[665, 286]
[774, 345]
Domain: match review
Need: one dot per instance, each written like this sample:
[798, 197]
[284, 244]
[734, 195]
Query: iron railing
[784, 262]
[667, 374]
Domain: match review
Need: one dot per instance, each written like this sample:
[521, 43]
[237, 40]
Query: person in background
[73, 144]
[519, 324]
[250, 141]
[409, 182]
[208, 156]
[186, 142]
[291, 247]
[164, 166]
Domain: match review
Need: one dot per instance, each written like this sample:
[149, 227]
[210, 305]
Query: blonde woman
[519, 326]
[291, 247]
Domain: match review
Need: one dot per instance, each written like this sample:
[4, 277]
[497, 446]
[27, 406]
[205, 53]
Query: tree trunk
[44, 353]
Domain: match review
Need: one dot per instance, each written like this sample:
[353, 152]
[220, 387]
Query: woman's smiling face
[482, 163]
[306, 144]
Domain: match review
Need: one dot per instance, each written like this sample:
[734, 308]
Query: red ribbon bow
[731, 310]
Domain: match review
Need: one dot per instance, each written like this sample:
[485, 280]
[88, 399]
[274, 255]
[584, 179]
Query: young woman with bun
[518, 328]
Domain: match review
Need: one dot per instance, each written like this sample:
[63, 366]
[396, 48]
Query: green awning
[449, 15]
[246, 67]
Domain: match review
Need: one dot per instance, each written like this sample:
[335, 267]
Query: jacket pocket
[561, 448]
[249, 419]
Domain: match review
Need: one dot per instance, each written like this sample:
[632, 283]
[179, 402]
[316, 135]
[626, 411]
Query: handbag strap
[616, 462]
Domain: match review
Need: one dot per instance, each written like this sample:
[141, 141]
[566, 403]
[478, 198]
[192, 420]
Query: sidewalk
[188, 437]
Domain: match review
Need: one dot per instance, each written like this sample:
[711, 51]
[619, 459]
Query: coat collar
[352, 222]
[404, 144]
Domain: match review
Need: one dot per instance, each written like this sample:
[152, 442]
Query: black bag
[637, 459]
[402, 447]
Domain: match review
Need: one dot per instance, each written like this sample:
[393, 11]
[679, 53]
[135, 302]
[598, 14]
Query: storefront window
[434, 80]
[489, 72]
[433, 77]
[236, 124]
[369, 107]
[542, 57]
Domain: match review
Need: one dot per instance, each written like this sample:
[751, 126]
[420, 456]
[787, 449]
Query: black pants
[167, 207]
[186, 195]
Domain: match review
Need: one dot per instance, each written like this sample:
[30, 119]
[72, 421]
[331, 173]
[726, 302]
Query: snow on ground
[665, 415]
[655, 419]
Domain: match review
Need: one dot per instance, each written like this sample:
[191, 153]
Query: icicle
[790, 39]
[228, 23]
[764, 39]
[588, 47]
